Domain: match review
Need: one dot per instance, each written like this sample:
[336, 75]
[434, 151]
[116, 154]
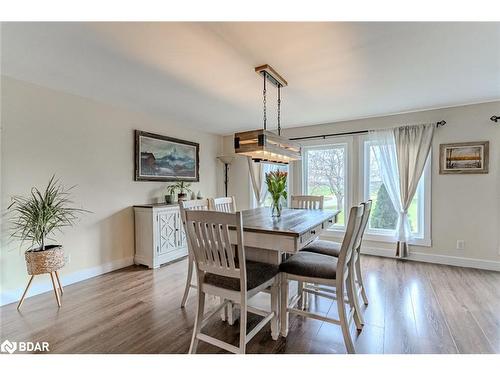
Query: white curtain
[258, 181]
[401, 154]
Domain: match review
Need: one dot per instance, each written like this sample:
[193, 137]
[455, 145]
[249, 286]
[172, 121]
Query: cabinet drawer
[311, 234]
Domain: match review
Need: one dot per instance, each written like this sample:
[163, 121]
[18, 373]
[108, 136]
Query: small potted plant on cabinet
[183, 188]
[170, 197]
[35, 219]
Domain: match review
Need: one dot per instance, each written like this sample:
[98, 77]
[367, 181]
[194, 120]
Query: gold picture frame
[464, 158]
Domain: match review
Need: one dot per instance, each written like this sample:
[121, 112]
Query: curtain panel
[401, 154]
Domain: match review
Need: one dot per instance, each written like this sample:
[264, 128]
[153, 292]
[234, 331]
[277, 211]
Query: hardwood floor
[414, 308]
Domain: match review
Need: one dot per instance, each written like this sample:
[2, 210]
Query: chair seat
[310, 264]
[324, 247]
[257, 274]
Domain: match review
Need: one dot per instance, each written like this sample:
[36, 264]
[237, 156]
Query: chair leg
[188, 281]
[353, 298]
[344, 323]
[59, 282]
[58, 299]
[227, 313]
[284, 305]
[230, 313]
[198, 321]
[25, 292]
[360, 280]
[275, 289]
[300, 292]
[243, 325]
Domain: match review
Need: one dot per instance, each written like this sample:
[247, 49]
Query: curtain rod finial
[440, 123]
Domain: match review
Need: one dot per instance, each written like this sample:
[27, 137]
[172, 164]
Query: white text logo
[24, 346]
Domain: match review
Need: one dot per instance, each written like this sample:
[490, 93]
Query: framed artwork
[161, 158]
[464, 158]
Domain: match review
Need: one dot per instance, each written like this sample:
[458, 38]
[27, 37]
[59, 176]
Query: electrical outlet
[67, 258]
[460, 244]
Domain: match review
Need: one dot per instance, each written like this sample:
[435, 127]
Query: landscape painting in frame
[161, 158]
[463, 158]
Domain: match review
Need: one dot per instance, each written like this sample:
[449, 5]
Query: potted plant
[170, 197]
[276, 185]
[36, 218]
[183, 188]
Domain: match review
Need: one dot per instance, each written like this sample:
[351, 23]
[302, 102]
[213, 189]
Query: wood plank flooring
[414, 308]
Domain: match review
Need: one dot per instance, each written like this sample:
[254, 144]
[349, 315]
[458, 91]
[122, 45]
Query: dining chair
[195, 204]
[223, 204]
[320, 269]
[226, 273]
[333, 249]
[310, 202]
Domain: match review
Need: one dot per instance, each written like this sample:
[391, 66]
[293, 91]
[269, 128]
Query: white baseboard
[14, 295]
[435, 258]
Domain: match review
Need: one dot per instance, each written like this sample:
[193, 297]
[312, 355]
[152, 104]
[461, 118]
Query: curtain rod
[438, 125]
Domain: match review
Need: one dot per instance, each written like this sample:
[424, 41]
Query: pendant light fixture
[263, 145]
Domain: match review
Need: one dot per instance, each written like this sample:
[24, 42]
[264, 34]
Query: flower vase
[276, 208]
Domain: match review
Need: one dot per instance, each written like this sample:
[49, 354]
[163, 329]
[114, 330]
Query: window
[325, 173]
[384, 217]
[346, 178]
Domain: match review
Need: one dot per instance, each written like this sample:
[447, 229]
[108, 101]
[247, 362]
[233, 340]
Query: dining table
[268, 238]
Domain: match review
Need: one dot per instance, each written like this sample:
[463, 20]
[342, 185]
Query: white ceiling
[201, 74]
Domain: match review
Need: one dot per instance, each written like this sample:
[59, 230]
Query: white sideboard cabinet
[159, 235]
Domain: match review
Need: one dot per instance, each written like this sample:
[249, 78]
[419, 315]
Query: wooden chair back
[350, 240]
[208, 233]
[364, 222]
[309, 202]
[223, 204]
[195, 204]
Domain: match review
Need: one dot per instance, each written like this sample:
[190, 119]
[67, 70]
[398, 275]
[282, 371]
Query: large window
[325, 173]
[346, 172]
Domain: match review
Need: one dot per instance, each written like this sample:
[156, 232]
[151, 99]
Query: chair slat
[308, 202]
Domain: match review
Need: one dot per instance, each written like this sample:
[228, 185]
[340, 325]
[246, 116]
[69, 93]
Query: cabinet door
[181, 238]
[167, 229]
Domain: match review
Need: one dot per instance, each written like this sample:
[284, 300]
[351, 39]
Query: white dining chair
[226, 273]
[325, 270]
[310, 202]
[333, 249]
[223, 204]
[195, 204]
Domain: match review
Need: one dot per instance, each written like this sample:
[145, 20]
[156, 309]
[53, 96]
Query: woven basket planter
[45, 261]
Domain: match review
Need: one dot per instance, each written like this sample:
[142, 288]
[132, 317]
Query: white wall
[463, 206]
[91, 145]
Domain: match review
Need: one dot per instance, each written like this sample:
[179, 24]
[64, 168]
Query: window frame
[423, 236]
[347, 142]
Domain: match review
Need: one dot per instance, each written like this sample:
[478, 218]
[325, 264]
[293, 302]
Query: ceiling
[201, 74]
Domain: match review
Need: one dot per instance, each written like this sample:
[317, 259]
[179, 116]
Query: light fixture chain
[279, 109]
[264, 100]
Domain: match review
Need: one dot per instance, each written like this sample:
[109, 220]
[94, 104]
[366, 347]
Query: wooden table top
[293, 222]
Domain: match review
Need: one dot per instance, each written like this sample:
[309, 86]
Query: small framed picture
[464, 158]
[161, 158]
